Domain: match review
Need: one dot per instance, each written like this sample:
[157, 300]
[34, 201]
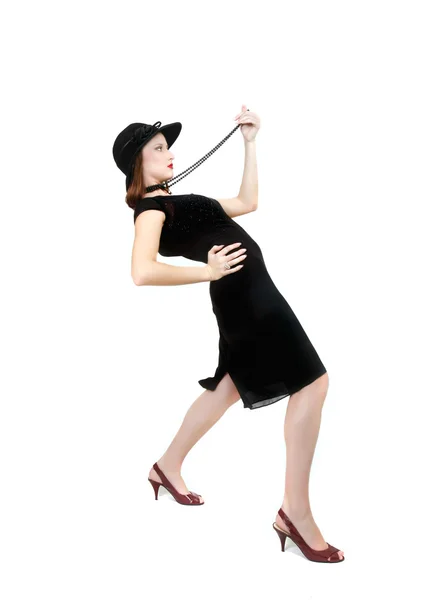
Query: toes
[337, 556]
[195, 498]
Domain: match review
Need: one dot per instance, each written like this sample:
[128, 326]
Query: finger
[228, 248]
[238, 114]
[244, 109]
[234, 269]
[233, 255]
[238, 259]
[238, 252]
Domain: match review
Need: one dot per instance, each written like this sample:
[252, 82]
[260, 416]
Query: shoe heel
[156, 485]
[282, 536]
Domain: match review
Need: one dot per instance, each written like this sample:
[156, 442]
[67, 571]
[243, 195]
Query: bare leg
[205, 411]
[301, 430]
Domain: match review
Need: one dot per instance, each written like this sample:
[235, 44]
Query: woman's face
[156, 160]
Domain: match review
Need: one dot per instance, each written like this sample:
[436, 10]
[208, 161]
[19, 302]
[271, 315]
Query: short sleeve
[146, 204]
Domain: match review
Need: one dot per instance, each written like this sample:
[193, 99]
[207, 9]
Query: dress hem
[213, 382]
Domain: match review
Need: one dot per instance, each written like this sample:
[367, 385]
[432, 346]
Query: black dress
[262, 345]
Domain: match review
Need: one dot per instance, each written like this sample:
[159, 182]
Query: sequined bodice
[193, 224]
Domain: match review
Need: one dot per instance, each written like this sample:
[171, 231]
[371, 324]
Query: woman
[264, 353]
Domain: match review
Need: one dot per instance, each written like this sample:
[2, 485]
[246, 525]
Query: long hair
[136, 189]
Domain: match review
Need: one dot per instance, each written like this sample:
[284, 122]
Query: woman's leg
[205, 411]
[301, 430]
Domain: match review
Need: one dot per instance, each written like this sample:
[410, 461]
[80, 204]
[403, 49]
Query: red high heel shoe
[190, 499]
[327, 555]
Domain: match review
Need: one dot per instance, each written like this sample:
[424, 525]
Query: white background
[98, 373]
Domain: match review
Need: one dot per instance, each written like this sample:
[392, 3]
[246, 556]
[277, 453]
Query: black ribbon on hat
[145, 131]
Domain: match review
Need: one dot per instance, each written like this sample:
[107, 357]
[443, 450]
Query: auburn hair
[136, 189]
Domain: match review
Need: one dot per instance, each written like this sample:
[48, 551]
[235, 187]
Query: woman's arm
[145, 270]
[247, 199]
[158, 273]
[248, 192]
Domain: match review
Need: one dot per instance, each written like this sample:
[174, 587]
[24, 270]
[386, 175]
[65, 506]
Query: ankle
[169, 465]
[299, 511]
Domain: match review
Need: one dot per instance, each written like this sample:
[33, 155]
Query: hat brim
[171, 132]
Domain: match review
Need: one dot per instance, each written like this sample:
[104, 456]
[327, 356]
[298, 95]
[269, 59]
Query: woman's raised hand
[250, 123]
[218, 258]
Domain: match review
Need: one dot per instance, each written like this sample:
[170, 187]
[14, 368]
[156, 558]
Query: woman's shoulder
[144, 204]
[164, 197]
[160, 201]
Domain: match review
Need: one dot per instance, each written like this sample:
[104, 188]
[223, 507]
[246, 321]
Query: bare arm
[145, 269]
[158, 273]
[248, 192]
[247, 199]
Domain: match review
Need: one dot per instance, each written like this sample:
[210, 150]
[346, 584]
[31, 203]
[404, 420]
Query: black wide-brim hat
[132, 139]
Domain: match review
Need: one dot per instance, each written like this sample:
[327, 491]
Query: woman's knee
[319, 386]
[317, 389]
[323, 382]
